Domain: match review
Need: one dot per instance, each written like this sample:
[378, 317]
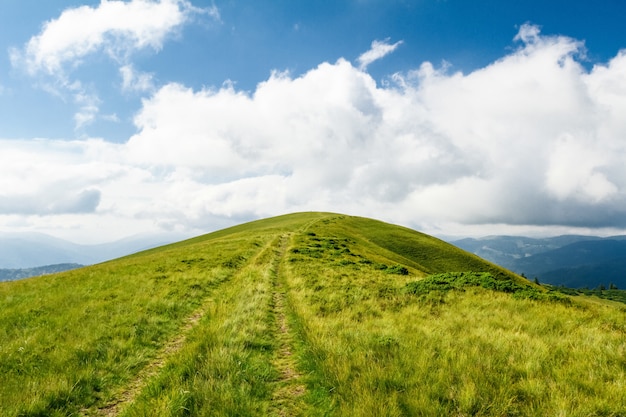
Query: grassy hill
[306, 314]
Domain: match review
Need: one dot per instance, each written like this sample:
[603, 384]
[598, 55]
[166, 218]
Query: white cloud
[575, 171]
[46, 203]
[88, 108]
[378, 50]
[531, 140]
[116, 27]
[528, 34]
[134, 81]
[111, 118]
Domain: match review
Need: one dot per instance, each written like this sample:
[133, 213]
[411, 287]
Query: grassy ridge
[426, 253]
[306, 314]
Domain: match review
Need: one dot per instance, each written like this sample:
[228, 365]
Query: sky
[186, 116]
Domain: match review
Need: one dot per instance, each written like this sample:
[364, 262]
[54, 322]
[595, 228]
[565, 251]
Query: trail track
[286, 400]
[152, 369]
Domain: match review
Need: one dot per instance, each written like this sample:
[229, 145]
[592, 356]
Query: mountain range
[31, 250]
[570, 260]
[20, 273]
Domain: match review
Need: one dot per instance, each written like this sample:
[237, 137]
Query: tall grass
[72, 340]
[377, 321]
[225, 367]
[374, 349]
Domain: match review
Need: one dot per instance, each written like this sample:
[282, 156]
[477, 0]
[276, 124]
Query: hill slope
[586, 263]
[305, 314]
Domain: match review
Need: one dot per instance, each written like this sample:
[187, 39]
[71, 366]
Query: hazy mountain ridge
[569, 260]
[33, 250]
[21, 273]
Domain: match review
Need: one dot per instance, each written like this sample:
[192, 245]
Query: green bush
[397, 269]
[461, 280]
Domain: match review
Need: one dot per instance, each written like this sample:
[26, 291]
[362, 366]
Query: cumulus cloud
[533, 139]
[48, 177]
[378, 50]
[116, 28]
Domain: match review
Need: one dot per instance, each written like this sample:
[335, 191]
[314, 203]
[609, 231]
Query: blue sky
[190, 115]
[250, 39]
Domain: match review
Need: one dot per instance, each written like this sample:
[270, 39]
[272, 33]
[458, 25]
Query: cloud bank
[533, 139]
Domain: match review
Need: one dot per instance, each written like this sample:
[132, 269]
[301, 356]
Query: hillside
[572, 261]
[580, 264]
[306, 314]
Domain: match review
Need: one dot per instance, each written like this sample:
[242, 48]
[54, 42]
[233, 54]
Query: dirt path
[288, 388]
[132, 390]
[286, 400]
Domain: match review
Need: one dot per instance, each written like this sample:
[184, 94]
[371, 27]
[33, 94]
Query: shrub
[397, 269]
[460, 280]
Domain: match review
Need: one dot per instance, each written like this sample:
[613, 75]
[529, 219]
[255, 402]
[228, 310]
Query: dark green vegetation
[570, 261]
[308, 314]
[20, 273]
[605, 293]
[459, 281]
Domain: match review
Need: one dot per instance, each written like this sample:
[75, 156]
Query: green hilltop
[312, 314]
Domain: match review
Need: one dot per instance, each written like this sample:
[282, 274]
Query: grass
[610, 294]
[309, 314]
[73, 339]
[451, 344]
[225, 367]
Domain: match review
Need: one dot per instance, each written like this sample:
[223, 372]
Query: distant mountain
[572, 261]
[606, 274]
[30, 250]
[13, 274]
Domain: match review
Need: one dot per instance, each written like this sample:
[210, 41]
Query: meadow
[312, 314]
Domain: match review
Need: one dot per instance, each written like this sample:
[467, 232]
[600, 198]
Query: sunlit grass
[381, 322]
[225, 368]
[373, 349]
[70, 340]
